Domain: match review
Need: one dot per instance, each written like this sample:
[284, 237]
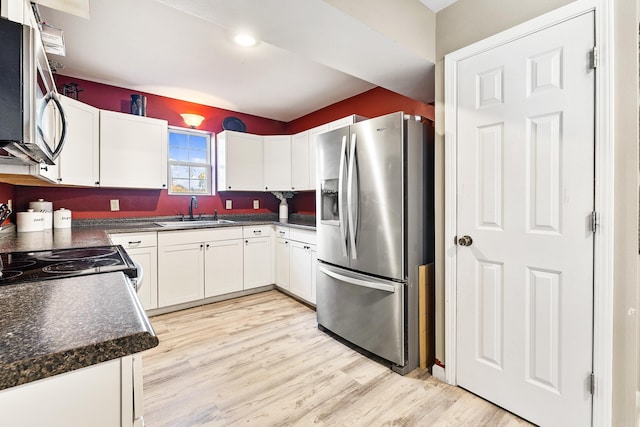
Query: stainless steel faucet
[193, 203]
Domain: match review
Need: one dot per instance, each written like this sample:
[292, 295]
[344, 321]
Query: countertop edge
[22, 371]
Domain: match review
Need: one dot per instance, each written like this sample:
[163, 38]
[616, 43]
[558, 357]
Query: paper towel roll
[62, 218]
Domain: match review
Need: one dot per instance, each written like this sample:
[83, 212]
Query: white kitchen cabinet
[281, 257]
[98, 395]
[133, 151]
[240, 161]
[300, 270]
[143, 249]
[180, 270]
[300, 162]
[194, 264]
[313, 135]
[79, 161]
[223, 267]
[277, 162]
[258, 256]
[302, 264]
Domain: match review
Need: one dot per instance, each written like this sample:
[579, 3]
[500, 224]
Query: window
[190, 162]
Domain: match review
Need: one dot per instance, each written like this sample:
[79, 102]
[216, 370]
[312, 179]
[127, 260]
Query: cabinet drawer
[135, 240]
[300, 235]
[224, 233]
[256, 231]
[282, 232]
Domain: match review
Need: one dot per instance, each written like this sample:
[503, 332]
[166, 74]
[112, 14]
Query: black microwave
[32, 121]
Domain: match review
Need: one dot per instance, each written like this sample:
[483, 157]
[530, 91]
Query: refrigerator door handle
[341, 217]
[358, 282]
[350, 202]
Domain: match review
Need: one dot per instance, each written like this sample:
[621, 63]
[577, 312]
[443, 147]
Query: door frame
[603, 191]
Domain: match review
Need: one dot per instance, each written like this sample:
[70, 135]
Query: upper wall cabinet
[300, 162]
[79, 161]
[240, 161]
[133, 151]
[277, 163]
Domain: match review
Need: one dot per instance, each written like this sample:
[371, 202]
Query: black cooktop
[20, 267]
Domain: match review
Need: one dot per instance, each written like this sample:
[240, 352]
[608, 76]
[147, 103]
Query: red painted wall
[373, 103]
[95, 202]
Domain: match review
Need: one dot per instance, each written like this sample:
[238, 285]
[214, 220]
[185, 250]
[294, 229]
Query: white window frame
[210, 164]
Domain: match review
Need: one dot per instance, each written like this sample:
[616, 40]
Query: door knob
[465, 241]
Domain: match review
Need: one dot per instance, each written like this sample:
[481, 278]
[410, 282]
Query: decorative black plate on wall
[234, 123]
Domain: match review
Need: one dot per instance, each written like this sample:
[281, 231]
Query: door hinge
[592, 383]
[594, 57]
[594, 221]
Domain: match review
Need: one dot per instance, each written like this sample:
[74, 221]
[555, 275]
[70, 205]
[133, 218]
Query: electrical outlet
[115, 205]
[228, 204]
[10, 204]
[256, 204]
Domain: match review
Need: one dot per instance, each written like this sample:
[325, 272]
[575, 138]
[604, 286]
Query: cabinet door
[240, 161]
[313, 134]
[277, 163]
[180, 273]
[79, 161]
[282, 263]
[148, 260]
[223, 269]
[300, 162]
[133, 151]
[300, 270]
[258, 262]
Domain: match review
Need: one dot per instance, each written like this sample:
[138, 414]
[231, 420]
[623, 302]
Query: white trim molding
[604, 202]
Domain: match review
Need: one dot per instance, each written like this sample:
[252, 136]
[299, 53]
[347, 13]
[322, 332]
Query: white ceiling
[310, 54]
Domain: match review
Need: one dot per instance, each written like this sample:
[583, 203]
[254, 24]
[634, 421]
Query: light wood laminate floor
[261, 361]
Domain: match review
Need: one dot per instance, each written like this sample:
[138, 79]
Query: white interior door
[525, 195]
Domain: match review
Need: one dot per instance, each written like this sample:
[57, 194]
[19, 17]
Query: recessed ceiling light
[244, 40]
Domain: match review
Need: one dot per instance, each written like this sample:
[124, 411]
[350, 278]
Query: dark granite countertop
[57, 326]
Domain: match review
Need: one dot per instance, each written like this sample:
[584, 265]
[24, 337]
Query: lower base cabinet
[180, 272]
[258, 259]
[223, 267]
[142, 248]
[296, 262]
[104, 395]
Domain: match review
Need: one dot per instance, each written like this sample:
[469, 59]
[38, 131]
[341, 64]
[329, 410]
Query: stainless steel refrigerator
[374, 227]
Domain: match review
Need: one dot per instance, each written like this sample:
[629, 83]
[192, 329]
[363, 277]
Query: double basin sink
[201, 222]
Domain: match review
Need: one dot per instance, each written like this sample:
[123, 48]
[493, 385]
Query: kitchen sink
[203, 223]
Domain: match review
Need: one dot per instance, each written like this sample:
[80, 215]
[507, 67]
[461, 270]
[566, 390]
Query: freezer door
[375, 196]
[332, 162]
[364, 310]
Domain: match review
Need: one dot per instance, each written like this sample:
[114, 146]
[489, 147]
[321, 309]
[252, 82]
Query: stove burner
[78, 254]
[9, 274]
[19, 264]
[78, 265]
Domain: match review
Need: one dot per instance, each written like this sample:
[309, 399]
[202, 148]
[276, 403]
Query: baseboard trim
[438, 372]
